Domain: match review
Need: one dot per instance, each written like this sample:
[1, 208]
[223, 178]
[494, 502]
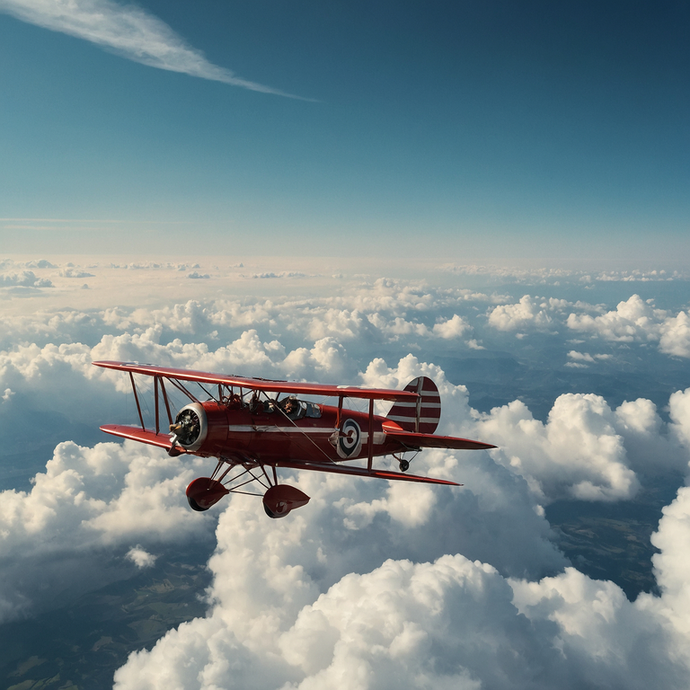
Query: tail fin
[423, 415]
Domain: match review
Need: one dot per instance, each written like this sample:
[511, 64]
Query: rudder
[423, 415]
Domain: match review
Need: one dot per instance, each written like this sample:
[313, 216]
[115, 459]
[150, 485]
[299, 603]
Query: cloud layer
[446, 623]
[372, 584]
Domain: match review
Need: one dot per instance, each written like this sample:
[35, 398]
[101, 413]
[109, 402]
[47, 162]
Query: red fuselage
[271, 436]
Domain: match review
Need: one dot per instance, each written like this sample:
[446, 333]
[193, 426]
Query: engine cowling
[191, 426]
[201, 427]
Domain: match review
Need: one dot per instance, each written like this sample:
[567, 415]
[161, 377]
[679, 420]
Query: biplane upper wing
[260, 384]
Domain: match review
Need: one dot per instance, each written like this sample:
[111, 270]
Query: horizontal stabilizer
[413, 440]
[136, 433]
[364, 472]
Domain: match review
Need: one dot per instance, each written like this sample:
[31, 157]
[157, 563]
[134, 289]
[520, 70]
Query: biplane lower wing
[364, 472]
[136, 433]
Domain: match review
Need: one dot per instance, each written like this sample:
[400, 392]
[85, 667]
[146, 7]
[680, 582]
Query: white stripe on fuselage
[379, 436]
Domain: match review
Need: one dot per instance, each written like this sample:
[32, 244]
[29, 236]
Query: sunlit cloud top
[128, 31]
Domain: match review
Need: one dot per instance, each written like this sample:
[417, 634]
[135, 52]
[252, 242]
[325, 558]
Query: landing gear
[280, 499]
[205, 492]
[404, 465]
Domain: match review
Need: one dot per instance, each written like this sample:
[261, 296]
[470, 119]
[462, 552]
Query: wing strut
[136, 399]
[370, 439]
[165, 400]
[155, 402]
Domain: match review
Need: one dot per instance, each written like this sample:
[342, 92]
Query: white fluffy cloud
[584, 450]
[140, 557]
[632, 320]
[297, 616]
[675, 335]
[23, 279]
[587, 450]
[577, 452]
[446, 623]
[527, 313]
[88, 499]
[455, 327]
[636, 320]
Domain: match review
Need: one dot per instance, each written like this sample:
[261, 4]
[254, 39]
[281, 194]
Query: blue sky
[464, 130]
[253, 167]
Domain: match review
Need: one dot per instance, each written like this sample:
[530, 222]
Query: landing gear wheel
[404, 465]
[271, 514]
[194, 505]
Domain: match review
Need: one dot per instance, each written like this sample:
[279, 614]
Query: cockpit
[290, 407]
[295, 409]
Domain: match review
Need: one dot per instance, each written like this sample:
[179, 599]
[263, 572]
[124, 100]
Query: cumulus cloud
[632, 320]
[85, 500]
[282, 625]
[24, 279]
[140, 557]
[128, 31]
[455, 327]
[73, 272]
[637, 320]
[41, 263]
[527, 312]
[583, 359]
[586, 449]
[675, 335]
[581, 451]
[577, 452]
[446, 623]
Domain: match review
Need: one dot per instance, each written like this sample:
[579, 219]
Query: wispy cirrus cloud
[130, 32]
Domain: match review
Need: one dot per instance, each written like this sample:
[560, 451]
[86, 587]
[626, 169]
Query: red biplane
[252, 431]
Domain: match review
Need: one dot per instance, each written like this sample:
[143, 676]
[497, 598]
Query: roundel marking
[350, 441]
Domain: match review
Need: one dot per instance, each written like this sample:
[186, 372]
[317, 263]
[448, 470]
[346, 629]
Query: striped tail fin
[423, 415]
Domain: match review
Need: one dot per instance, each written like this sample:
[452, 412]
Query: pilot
[234, 402]
[290, 406]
